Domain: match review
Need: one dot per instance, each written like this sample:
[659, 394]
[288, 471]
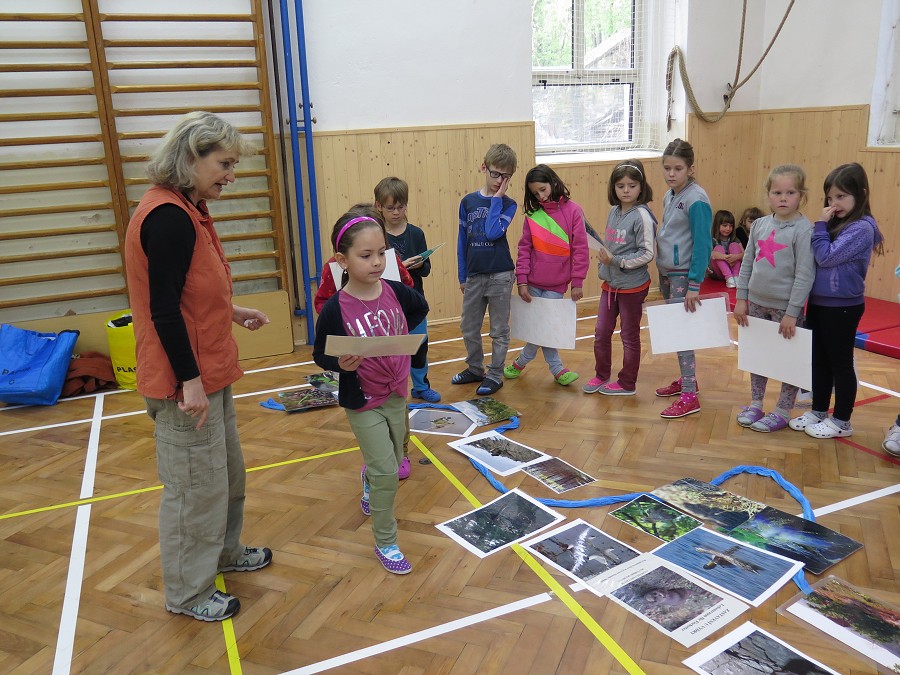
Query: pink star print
[768, 247]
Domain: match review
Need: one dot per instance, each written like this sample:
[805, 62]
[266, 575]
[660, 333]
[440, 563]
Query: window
[587, 74]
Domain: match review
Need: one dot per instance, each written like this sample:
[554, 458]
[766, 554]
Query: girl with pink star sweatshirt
[777, 274]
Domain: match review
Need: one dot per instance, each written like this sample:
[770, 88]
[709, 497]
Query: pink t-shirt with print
[379, 376]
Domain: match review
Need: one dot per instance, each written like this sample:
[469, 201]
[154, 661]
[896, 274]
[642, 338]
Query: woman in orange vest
[179, 284]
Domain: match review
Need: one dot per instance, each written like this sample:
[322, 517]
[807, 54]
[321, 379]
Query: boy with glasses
[486, 269]
[408, 241]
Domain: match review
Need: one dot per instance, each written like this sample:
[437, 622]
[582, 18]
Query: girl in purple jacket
[843, 240]
[553, 255]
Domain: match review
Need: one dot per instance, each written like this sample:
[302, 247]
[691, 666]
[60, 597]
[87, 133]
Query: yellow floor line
[92, 500]
[580, 613]
[234, 656]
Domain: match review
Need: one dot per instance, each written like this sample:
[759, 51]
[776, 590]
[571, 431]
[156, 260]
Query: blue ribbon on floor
[271, 404]
[791, 489]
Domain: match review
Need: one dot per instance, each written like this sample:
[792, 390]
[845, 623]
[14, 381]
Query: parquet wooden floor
[80, 586]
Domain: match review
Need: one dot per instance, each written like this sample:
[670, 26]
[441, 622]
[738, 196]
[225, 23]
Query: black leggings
[833, 337]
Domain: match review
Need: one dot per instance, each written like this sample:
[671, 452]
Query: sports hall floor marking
[231, 644]
[580, 613]
[65, 641]
[65, 637]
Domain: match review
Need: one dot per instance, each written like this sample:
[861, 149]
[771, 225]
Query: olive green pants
[380, 433]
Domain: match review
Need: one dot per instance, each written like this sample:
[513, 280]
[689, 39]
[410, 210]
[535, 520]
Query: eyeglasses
[496, 174]
[396, 208]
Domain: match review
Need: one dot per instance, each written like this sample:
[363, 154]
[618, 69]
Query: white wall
[824, 56]
[418, 62]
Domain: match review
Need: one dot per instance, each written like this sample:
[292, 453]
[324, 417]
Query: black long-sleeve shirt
[168, 239]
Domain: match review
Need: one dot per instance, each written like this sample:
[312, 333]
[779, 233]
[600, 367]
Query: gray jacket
[629, 237]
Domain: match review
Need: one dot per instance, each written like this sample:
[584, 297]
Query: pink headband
[347, 226]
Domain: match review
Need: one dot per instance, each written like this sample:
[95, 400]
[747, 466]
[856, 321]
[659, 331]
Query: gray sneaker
[217, 607]
[251, 559]
[892, 441]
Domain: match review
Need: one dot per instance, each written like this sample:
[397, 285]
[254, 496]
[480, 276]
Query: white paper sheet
[679, 605]
[391, 268]
[391, 345]
[672, 329]
[543, 321]
[763, 351]
[763, 652]
[509, 519]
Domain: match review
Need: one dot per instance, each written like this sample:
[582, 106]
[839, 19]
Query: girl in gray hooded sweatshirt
[683, 249]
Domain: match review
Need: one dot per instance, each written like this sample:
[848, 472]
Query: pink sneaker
[673, 389]
[615, 389]
[404, 470]
[593, 385]
[687, 404]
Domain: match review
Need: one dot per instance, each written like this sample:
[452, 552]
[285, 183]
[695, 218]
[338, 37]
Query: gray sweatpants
[489, 292]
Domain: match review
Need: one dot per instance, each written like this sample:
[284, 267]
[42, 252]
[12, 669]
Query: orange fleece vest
[205, 303]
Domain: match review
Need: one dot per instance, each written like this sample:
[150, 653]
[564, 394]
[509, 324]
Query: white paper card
[679, 605]
[750, 649]
[391, 345]
[761, 350]
[547, 322]
[672, 329]
[391, 268]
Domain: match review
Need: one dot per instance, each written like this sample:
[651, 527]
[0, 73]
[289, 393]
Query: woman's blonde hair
[194, 137]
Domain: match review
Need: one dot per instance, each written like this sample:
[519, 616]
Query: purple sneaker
[393, 560]
[364, 502]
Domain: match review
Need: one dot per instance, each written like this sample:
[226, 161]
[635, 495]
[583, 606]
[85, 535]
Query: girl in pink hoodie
[553, 256]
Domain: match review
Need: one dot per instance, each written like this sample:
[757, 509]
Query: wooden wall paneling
[587, 183]
[441, 164]
[816, 139]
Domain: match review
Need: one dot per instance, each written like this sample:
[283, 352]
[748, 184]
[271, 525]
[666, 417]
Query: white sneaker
[805, 420]
[827, 429]
[891, 443]
[730, 283]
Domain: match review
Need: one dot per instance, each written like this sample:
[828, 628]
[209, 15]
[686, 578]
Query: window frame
[577, 74]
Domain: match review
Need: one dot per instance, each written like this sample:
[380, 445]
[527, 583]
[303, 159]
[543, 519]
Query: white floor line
[65, 639]
[854, 501]
[889, 392]
[70, 398]
[421, 635]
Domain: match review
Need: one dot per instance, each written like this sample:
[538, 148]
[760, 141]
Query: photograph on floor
[581, 550]
[685, 609]
[817, 547]
[714, 505]
[749, 649]
[486, 410]
[497, 452]
[301, 400]
[324, 381]
[866, 624]
[503, 522]
[441, 422]
[558, 475]
[745, 571]
[655, 518]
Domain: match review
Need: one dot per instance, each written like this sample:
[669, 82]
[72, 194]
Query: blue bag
[33, 365]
